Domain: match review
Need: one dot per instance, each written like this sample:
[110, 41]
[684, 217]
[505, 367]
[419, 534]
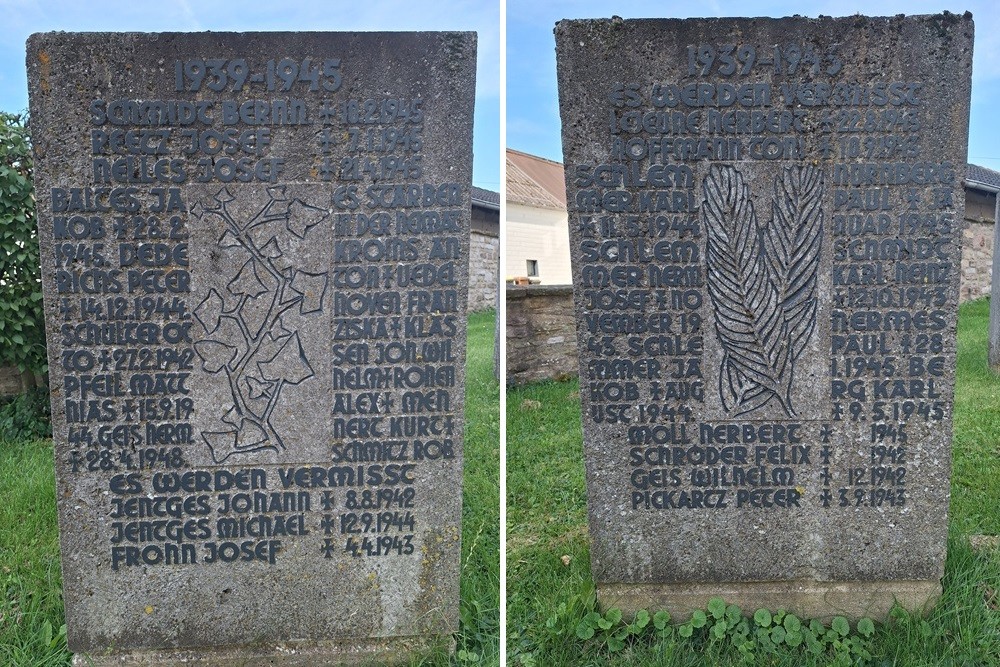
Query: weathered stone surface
[766, 225]
[993, 345]
[255, 289]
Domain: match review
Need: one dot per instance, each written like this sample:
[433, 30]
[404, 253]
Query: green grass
[975, 482]
[548, 594]
[31, 608]
[480, 605]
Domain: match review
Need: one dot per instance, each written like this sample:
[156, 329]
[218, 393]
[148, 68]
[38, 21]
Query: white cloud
[189, 14]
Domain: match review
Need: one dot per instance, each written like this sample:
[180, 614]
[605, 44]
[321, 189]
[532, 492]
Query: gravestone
[256, 260]
[765, 223]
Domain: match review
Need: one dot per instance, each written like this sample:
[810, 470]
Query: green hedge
[22, 324]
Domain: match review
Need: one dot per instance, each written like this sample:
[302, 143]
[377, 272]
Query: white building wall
[540, 234]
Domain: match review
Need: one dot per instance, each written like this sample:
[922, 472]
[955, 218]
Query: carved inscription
[259, 271]
[390, 295]
[765, 255]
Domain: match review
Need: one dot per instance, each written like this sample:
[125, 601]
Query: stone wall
[10, 381]
[14, 382]
[484, 259]
[541, 333]
[977, 260]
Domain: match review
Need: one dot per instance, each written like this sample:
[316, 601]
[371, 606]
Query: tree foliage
[22, 324]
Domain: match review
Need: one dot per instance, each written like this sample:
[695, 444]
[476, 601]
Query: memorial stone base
[308, 654]
[806, 599]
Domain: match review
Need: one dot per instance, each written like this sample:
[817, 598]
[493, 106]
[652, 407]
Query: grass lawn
[31, 609]
[480, 631]
[550, 589]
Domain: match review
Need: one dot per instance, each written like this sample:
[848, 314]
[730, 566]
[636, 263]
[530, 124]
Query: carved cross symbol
[825, 476]
[328, 112]
[826, 496]
[825, 147]
[120, 227]
[327, 170]
[326, 139]
[327, 524]
[656, 392]
[825, 454]
[105, 359]
[587, 226]
[825, 432]
[327, 500]
[328, 548]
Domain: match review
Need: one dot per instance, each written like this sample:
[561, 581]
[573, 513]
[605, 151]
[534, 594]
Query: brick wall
[541, 333]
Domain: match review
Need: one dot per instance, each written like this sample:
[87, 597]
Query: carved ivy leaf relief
[214, 355]
[762, 282]
[302, 217]
[289, 365]
[258, 353]
[210, 310]
[311, 287]
[247, 283]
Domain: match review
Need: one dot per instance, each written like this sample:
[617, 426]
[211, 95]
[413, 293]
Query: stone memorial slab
[255, 265]
[765, 222]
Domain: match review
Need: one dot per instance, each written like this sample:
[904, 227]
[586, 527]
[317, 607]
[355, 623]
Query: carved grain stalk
[749, 318]
[762, 281]
[795, 235]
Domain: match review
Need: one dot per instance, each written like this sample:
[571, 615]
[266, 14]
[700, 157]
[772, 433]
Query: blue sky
[532, 103]
[532, 107]
[20, 18]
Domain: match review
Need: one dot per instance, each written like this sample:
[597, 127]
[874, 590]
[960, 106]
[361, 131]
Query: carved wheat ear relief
[762, 282]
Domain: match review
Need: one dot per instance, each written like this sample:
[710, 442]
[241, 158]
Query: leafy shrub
[22, 324]
[26, 416]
